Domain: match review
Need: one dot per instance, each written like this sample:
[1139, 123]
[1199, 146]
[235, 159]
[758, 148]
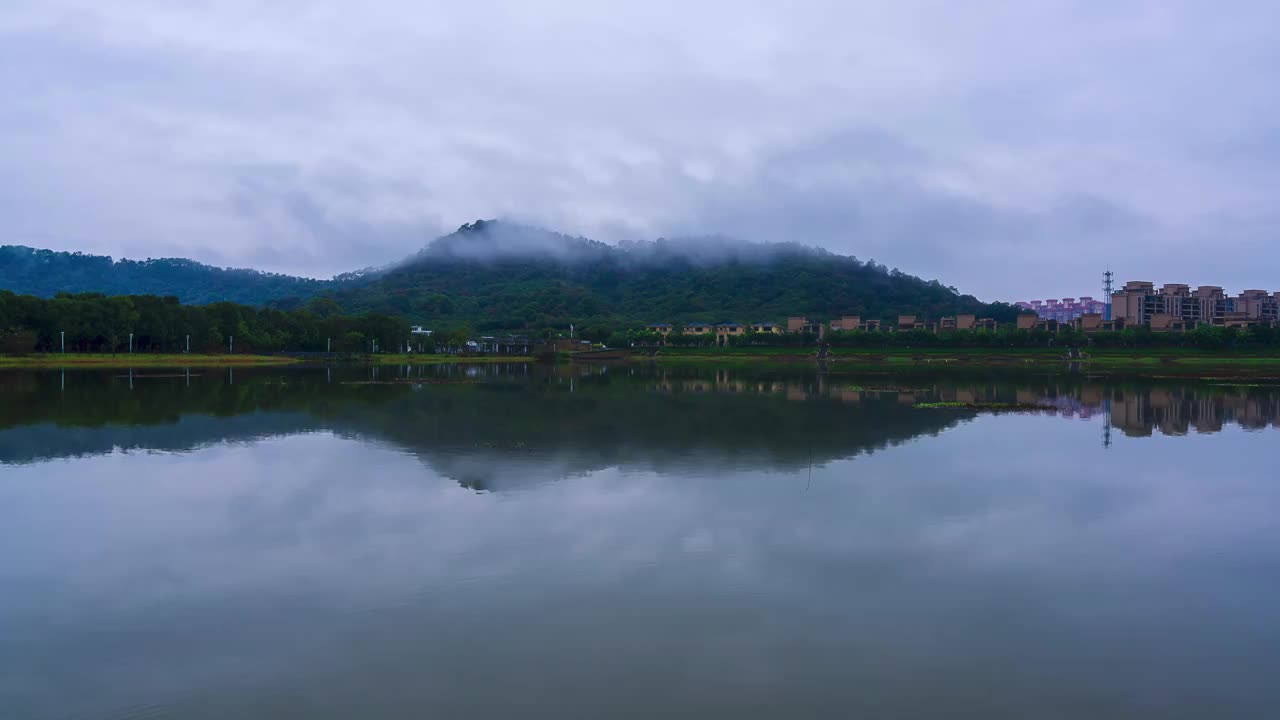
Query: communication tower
[1107, 286]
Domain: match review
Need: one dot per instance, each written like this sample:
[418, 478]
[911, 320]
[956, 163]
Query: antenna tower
[1107, 289]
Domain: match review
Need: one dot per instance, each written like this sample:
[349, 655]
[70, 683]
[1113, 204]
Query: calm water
[517, 542]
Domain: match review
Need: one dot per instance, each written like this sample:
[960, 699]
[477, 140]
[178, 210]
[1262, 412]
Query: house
[957, 322]
[848, 323]
[730, 328]
[911, 322]
[805, 325]
[698, 328]
[871, 325]
[1031, 321]
[766, 327]
[1090, 322]
[663, 329]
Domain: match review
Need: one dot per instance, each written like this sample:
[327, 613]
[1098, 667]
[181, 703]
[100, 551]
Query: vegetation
[514, 416]
[1185, 363]
[492, 275]
[45, 273]
[134, 360]
[1205, 337]
[100, 324]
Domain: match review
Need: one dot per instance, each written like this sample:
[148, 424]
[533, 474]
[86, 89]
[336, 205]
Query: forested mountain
[492, 274]
[44, 273]
[91, 322]
[495, 274]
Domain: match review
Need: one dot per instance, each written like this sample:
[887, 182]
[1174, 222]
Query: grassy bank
[128, 360]
[1148, 362]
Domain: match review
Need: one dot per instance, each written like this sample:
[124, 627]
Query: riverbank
[134, 360]
[1145, 362]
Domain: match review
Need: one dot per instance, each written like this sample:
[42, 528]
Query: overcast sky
[1011, 149]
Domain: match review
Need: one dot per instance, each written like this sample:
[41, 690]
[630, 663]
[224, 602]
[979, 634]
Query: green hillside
[493, 274]
[500, 275]
[44, 273]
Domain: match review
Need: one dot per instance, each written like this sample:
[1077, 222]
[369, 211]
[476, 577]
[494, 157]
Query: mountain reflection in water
[499, 426]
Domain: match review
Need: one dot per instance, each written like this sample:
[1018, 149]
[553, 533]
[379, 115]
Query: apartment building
[1064, 310]
[1176, 307]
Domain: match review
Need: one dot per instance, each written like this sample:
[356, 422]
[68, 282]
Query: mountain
[28, 271]
[496, 274]
[493, 274]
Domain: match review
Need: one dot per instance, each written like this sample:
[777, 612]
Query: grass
[128, 360]
[1149, 362]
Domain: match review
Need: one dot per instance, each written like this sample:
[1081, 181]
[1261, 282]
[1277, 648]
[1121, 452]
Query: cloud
[313, 138]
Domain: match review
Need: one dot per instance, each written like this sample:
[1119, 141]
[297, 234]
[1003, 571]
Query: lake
[508, 541]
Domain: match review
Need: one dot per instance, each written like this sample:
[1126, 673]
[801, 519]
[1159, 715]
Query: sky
[1015, 150]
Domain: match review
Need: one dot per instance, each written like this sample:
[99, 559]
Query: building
[663, 329]
[1175, 307]
[730, 328]
[766, 327]
[911, 322]
[1032, 321]
[1064, 310]
[698, 328]
[502, 345]
[803, 325]
[1093, 322]
[848, 323]
[419, 330]
[1259, 305]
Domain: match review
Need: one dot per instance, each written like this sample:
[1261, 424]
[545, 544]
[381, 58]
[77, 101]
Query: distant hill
[494, 274]
[28, 271]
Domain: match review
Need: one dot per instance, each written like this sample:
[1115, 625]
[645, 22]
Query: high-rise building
[1176, 307]
[1063, 310]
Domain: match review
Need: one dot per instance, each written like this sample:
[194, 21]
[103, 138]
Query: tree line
[93, 322]
[1204, 337]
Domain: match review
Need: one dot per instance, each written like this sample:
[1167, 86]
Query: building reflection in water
[1135, 410]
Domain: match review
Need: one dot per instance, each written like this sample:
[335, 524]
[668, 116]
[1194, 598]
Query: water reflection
[307, 549]
[493, 425]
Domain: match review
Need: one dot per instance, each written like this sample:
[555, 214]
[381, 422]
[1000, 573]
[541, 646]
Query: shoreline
[135, 360]
[1180, 364]
[123, 361]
